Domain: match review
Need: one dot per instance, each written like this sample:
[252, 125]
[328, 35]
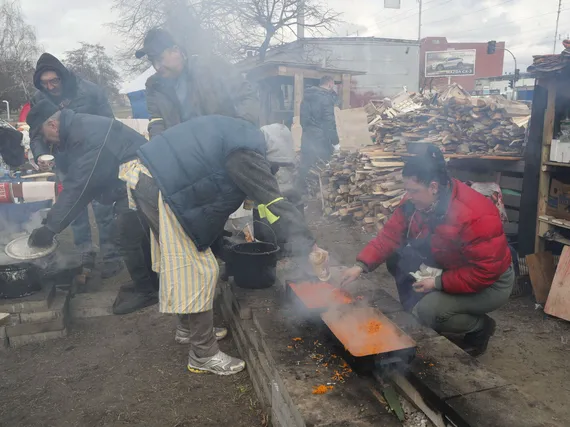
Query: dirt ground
[529, 349]
[120, 371]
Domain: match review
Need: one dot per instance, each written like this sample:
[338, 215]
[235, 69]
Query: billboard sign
[450, 63]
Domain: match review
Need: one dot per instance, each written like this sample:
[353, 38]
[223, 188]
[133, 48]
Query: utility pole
[556, 31]
[420, 22]
[300, 19]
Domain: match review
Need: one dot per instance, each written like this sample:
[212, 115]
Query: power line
[510, 22]
[470, 13]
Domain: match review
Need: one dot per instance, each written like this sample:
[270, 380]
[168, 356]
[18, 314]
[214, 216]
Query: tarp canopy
[138, 83]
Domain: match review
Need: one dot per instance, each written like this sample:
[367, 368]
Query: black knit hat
[155, 42]
[38, 115]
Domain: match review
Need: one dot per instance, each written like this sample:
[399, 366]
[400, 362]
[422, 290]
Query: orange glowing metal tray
[364, 331]
[320, 295]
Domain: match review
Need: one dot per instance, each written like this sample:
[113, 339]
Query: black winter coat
[213, 87]
[79, 95]
[93, 147]
[188, 163]
[318, 122]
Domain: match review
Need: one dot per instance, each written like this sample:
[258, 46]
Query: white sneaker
[183, 335]
[219, 364]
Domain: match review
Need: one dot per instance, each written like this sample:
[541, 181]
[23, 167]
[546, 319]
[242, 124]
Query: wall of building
[485, 65]
[390, 65]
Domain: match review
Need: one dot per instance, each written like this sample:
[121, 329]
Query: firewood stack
[455, 122]
[366, 186]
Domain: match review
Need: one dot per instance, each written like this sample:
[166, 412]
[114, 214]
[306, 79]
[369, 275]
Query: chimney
[300, 19]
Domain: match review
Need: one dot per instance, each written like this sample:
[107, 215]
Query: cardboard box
[558, 199]
[560, 151]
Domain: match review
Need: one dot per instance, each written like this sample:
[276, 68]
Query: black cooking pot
[19, 280]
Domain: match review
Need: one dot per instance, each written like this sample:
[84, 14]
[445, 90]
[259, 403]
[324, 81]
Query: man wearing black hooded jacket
[66, 90]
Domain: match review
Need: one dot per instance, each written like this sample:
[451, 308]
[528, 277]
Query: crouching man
[186, 182]
[91, 149]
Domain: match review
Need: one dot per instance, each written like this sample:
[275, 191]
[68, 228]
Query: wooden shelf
[555, 221]
[556, 239]
[563, 165]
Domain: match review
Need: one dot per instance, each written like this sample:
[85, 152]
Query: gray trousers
[199, 326]
[464, 313]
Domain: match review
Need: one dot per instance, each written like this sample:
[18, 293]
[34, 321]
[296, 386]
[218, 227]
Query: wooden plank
[512, 200]
[558, 302]
[511, 182]
[513, 215]
[345, 91]
[299, 93]
[541, 271]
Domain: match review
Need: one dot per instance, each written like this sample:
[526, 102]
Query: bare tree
[92, 63]
[277, 20]
[226, 27]
[18, 51]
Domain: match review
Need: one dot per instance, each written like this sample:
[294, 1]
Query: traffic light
[491, 47]
[511, 83]
[517, 74]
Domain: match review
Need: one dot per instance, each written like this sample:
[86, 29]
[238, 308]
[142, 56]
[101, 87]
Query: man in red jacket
[444, 224]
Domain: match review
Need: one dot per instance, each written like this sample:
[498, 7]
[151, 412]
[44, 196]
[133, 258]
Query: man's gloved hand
[41, 238]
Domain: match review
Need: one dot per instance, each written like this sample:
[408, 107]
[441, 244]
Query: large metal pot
[19, 279]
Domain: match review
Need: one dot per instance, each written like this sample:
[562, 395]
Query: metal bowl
[18, 249]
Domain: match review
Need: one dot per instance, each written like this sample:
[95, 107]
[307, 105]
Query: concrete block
[4, 342]
[35, 328]
[262, 378]
[279, 408]
[36, 338]
[443, 369]
[504, 407]
[411, 326]
[40, 301]
[58, 309]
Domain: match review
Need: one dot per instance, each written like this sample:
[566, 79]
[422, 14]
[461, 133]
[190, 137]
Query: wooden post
[345, 103]
[299, 91]
[544, 177]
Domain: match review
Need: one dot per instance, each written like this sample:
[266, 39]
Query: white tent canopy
[138, 83]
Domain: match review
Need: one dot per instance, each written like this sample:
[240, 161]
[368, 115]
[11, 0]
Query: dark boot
[130, 300]
[475, 343]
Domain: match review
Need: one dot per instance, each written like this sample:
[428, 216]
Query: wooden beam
[307, 73]
[346, 80]
[299, 93]
[544, 177]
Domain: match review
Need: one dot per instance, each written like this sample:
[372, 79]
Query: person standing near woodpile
[92, 148]
[320, 138]
[66, 90]
[186, 182]
[444, 224]
[187, 86]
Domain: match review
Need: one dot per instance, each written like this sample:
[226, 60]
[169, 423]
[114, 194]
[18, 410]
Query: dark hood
[48, 62]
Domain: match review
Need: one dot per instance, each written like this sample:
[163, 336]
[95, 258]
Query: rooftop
[548, 65]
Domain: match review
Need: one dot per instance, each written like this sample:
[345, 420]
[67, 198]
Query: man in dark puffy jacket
[63, 88]
[187, 182]
[189, 86]
[97, 146]
[320, 137]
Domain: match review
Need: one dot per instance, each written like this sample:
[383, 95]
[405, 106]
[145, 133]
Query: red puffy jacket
[470, 245]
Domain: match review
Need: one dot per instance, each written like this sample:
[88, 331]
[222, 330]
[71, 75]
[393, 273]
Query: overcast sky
[527, 26]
